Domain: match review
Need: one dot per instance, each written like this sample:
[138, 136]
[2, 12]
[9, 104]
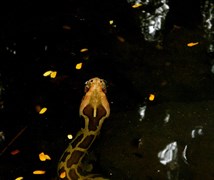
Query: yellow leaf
[53, 74]
[62, 175]
[47, 73]
[79, 66]
[111, 22]
[136, 5]
[83, 50]
[43, 110]
[38, 172]
[151, 97]
[19, 178]
[44, 157]
[192, 44]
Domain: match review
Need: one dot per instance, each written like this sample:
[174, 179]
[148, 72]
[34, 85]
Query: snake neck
[94, 109]
[69, 167]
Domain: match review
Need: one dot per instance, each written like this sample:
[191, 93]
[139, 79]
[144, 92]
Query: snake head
[95, 83]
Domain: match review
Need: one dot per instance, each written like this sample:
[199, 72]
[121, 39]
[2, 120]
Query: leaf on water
[43, 110]
[14, 152]
[136, 5]
[111, 22]
[79, 66]
[44, 157]
[53, 74]
[47, 73]
[62, 175]
[19, 178]
[151, 97]
[83, 50]
[39, 172]
[192, 44]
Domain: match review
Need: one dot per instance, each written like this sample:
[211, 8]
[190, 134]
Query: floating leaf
[111, 22]
[83, 50]
[62, 175]
[47, 73]
[66, 27]
[14, 152]
[43, 110]
[70, 136]
[38, 172]
[44, 157]
[192, 44]
[53, 74]
[151, 97]
[19, 178]
[79, 66]
[136, 5]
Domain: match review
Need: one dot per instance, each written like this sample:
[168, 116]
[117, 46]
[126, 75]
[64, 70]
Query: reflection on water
[168, 157]
[165, 136]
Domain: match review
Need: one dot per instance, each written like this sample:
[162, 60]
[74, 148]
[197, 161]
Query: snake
[94, 109]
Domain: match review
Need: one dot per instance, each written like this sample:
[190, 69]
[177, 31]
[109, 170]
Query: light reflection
[151, 22]
[169, 153]
[167, 117]
[184, 154]
[142, 111]
[198, 131]
[69, 136]
[168, 157]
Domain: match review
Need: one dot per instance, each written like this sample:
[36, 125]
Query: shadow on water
[170, 137]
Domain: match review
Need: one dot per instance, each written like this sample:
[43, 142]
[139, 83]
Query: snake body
[94, 108]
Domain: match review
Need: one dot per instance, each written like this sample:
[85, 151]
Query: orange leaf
[192, 44]
[38, 172]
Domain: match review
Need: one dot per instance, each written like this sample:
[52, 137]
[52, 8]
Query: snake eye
[86, 88]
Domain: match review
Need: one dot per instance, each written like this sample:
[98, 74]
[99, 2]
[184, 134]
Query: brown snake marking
[94, 108]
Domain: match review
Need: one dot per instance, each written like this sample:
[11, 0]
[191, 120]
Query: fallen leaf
[47, 73]
[151, 97]
[53, 74]
[44, 157]
[136, 5]
[14, 152]
[62, 175]
[19, 178]
[79, 66]
[192, 44]
[38, 172]
[83, 50]
[43, 110]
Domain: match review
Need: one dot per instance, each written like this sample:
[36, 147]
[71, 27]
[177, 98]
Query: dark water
[171, 139]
